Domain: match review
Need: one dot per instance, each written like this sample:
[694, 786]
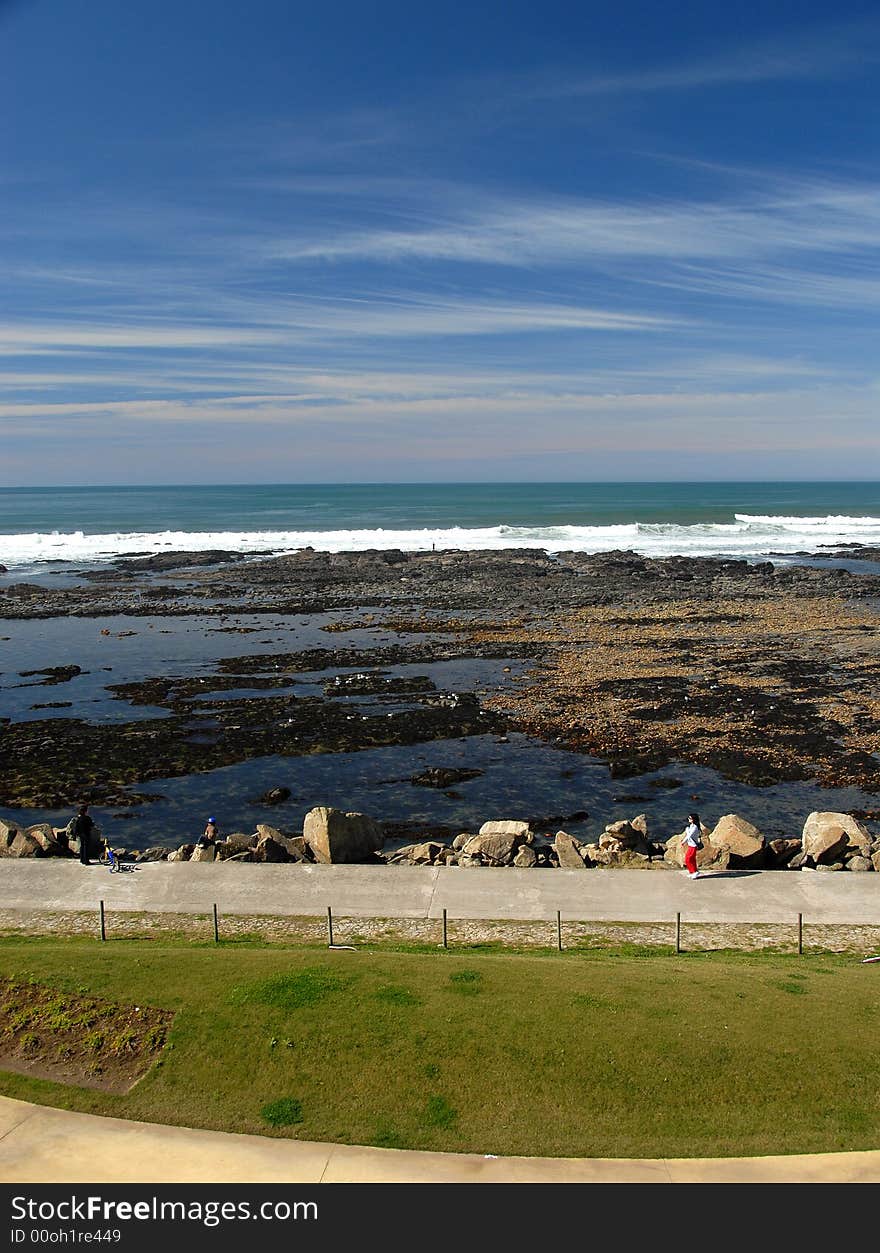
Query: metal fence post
[559, 930]
[103, 928]
[800, 935]
[678, 932]
[216, 927]
[329, 927]
[445, 936]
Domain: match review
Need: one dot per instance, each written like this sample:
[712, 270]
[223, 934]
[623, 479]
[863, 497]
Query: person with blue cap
[210, 833]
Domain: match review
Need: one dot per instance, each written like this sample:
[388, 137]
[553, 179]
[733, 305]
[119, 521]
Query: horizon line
[640, 482]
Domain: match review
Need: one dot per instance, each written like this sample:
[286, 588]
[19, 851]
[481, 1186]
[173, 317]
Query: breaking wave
[748, 535]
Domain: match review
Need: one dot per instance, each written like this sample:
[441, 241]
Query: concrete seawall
[424, 891]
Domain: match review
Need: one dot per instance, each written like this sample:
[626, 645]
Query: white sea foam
[749, 535]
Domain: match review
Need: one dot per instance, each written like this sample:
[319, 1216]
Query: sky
[361, 242]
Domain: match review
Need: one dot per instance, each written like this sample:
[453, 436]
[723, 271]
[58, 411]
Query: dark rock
[179, 561]
[274, 796]
[443, 776]
[53, 674]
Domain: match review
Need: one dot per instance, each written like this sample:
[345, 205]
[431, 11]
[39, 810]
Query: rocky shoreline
[520, 580]
[829, 842]
[761, 672]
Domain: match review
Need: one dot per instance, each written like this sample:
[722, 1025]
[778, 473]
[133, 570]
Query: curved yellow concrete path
[39, 1144]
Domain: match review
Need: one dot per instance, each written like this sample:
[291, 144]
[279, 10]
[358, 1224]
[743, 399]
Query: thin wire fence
[347, 931]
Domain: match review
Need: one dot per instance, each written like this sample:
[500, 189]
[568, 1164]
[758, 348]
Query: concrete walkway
[424, 891]
[39, 1144]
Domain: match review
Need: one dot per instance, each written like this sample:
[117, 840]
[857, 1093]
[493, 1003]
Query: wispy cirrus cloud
[803, 218]
[278, 322]
[822, 52]
[579, 423]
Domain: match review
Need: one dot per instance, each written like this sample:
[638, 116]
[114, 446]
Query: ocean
[48, 534]
[750, 520]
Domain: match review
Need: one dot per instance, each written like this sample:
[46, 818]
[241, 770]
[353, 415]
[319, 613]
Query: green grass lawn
[574, 1054]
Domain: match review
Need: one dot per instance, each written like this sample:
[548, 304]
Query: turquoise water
[657, 519]
[407, 506]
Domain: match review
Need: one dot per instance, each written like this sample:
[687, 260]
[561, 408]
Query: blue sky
[367, 242]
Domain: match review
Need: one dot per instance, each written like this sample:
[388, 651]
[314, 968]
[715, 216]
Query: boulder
[184, 853]
[494, 848]
[567, 849]
[625, 834]
[827, 835]
[270, 848]
[461, 839]
[155, 853]
[44, 834]
[744, 842]
[426, 854]
[782, 852]
[336, 837]
[507, 827]
[631, 859]
[17, 843]
[875, 861]
[234, 844]
[709, 857]
[859, 863]
[265, 832]
[202, 852]
[526, 857]
[269, 844]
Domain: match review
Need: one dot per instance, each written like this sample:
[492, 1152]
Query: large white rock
[741, 839]
[204, 852]
[335, 837]
[505, 827]
[567, 850]
[497, 848]
[827, 835]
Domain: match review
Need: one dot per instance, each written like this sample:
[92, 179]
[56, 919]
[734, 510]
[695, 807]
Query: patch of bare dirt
[77, 1039]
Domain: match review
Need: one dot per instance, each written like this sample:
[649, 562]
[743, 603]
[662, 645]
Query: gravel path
[357, 931]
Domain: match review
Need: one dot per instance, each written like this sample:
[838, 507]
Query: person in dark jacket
[81, 829]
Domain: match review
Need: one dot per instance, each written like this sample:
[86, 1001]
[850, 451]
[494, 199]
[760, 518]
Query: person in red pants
[692, 840]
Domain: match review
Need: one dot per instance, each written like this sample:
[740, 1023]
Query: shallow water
[523, 779]
[140, 648]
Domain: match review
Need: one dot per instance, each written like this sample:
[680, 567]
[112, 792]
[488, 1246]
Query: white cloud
[47, 337]
[808, 218]
[813, 54]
